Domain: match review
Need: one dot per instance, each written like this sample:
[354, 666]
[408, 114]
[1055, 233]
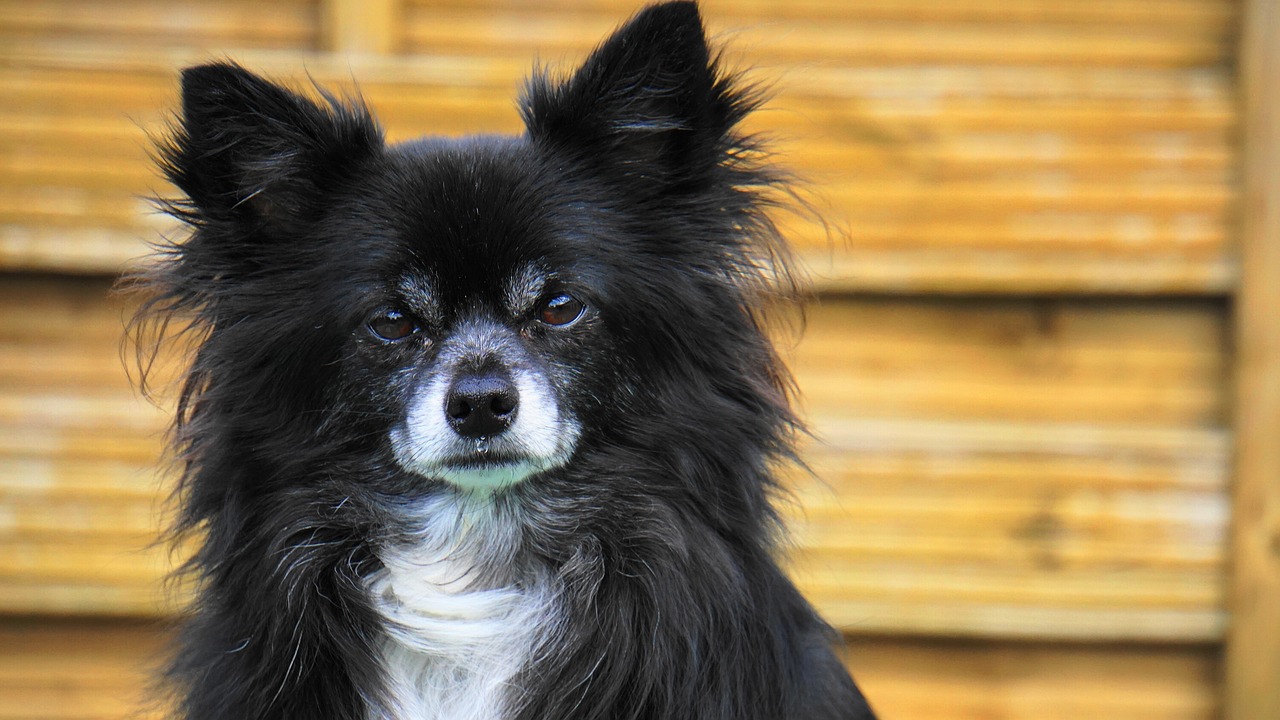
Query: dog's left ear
[249, 151]
[648, 104]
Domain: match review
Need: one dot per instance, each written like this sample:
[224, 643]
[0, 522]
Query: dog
[487, 428]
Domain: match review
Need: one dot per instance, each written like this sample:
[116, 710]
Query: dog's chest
[455, 645]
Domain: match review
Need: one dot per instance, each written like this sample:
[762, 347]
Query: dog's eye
[392, 325]
[561, 310]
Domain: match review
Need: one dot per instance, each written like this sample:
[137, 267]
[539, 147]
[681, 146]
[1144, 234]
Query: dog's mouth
[487, 474]
[478, 465]
[483, 451]
[484, 454]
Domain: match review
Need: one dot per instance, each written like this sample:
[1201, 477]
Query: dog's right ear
[650, 105]
[251, 152]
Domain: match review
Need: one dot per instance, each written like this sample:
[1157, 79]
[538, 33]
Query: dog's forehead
[485, 219]
[517, 290]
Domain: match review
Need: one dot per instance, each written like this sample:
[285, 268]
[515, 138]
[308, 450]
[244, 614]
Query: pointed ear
[247, 150]
[648, 102]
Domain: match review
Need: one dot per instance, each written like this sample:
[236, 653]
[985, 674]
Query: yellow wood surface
[954, 147]
[79, 483]
[159, 24]
[94, 670]
[1253, 644]
[1039, 465]
[78, 670]
[1179, 33]
[987, 468]
[1001, 472]
[360, 26]
[932, 680]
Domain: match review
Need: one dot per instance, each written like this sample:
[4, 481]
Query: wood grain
[81, 496]
[1253, 645]
[1147, 363]
[1063, 147]
[984, 680]
[1191, 14]
[78, 669]
[1043, 468]
[1053, 469]
[1002, 468]
[207, 24]
[360, 26]
[858, 32]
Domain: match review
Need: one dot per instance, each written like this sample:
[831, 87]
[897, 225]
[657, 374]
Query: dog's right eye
[392, 325]
[561, 310]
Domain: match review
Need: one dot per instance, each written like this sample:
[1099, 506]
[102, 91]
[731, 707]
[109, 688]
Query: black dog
[483, 429]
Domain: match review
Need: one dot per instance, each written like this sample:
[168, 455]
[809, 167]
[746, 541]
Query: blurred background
[1020, 364]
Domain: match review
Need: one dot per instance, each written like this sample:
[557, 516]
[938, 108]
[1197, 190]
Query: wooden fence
[1043, 364]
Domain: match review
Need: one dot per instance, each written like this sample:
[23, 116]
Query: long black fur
[633, 180]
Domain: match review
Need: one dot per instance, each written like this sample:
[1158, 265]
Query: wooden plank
[904, 222]
[985, 680]
[360, 26]
[942, 272]
[1144, 363]
[1014, 469]
[81, 495]
[207, 24]
[1060, 474]
[78, 670]
[1193, 14]
[892, 39]
[81, 669]
[1014, 529]
[1253, 645]
[947, 179]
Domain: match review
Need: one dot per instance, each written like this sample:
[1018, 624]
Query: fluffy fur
[485, 428]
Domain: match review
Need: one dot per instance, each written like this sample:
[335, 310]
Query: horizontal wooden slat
[1042, 469]
[1147, 362]
[78, 670]
[73, 670]
[1015, 469]
[906, 36]
[937, 175]
[1191, 14]
[82, 497]
[983, 680]
[211, 25]
[1012, 469]
[968, 529]
[58, 478]
[943, 272]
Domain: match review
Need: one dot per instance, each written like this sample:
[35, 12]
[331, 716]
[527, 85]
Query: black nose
[481, 404]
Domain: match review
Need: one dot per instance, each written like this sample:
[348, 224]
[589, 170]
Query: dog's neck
[462, 617]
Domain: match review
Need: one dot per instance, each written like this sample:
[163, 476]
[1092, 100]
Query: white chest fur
[457, 635]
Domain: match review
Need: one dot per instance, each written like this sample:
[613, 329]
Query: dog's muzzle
[485, 417]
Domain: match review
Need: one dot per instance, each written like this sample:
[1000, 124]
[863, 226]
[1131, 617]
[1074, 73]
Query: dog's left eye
[392, 325]
[561, 310]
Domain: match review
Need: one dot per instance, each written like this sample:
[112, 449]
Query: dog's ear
[648, 103]
[246, 150]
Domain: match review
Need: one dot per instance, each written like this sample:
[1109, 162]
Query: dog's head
[477, 311]
[489, 386]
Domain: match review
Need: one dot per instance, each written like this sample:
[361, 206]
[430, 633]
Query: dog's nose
[481, 404]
